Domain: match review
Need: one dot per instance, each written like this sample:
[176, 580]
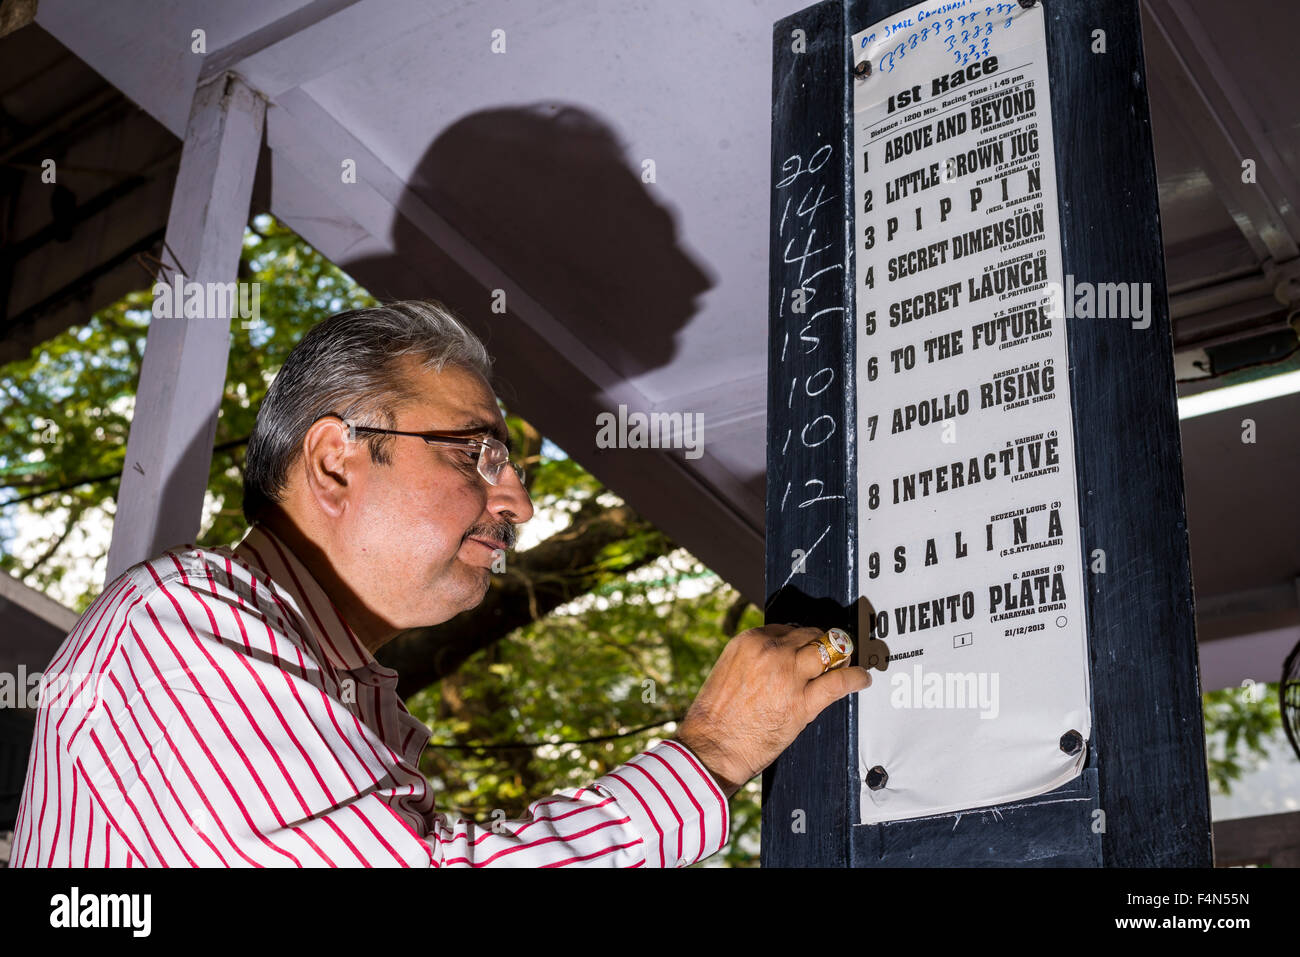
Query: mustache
[505, 533]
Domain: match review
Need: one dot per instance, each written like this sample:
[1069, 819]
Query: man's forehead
[457, 400]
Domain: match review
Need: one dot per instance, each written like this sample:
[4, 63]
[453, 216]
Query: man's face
[426, 529]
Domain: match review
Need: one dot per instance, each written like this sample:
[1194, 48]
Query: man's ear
[329, 465]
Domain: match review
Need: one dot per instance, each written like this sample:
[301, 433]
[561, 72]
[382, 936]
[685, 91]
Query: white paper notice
[970, 552]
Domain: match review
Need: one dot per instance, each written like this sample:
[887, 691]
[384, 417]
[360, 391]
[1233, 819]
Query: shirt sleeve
[219, 742]
[660, 809]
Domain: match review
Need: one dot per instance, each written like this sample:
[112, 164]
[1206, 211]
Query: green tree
[67, 410]
[1238, 725]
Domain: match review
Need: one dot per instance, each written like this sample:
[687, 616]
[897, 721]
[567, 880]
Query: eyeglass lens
[494, 458]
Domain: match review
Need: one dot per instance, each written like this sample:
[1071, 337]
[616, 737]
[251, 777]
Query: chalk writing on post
[810, 316]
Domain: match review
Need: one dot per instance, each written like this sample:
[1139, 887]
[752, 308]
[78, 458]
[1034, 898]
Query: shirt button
[683, 862]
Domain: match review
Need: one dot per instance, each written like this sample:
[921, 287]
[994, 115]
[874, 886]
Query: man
[239, 716]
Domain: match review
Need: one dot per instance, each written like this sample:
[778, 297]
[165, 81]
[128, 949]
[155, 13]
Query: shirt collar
[260, 547]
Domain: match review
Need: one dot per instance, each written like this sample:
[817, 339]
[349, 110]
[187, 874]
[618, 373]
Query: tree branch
[107, 477]
[731, 620]
[75, 513]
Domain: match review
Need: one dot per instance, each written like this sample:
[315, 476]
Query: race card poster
[970, 552]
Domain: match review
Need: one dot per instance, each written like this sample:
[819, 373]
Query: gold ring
[836, 647]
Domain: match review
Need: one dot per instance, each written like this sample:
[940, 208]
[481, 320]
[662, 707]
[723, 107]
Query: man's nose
[510, 500]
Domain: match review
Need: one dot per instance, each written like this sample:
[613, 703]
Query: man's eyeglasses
[493, 456]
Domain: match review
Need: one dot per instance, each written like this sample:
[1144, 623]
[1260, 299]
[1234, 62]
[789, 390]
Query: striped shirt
[212, 708]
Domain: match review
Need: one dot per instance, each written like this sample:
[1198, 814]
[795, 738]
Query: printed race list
[970, 554]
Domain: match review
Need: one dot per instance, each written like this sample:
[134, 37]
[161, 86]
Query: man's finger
[832, 686]
[808, 661]
[831, 648]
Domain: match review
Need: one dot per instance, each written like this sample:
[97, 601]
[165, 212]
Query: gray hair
[350, 364]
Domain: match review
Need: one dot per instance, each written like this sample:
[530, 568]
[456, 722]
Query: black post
[810, 464]
[1146, 766]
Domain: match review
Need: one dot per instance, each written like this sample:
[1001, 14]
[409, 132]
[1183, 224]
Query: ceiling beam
[316, 38]
[1218, 121]
[729, 408]
[183, 376]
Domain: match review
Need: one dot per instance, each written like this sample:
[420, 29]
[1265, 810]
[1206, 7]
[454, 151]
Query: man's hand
[766, 687]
